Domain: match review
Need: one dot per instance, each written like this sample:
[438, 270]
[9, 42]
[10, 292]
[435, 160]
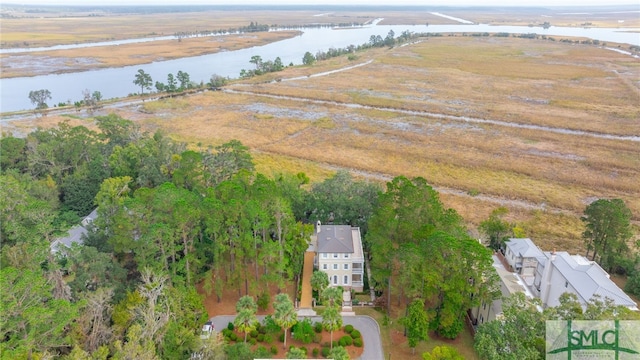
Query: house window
[357, 277]
[324, 255]
[335, 266]
[335, 279]
[335, 255]
[346, 256]
[346, 280]
[324, 266]
[346, 266]
[484, 305]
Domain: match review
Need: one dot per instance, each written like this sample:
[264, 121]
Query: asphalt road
[368, 327]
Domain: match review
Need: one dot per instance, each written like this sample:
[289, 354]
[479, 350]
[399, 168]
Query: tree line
[169, 218]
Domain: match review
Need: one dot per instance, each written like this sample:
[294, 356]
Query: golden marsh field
[540, 127]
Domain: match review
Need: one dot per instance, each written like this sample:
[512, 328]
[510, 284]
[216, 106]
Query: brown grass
[556, 174]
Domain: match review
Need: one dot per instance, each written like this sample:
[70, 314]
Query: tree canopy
[607, 230]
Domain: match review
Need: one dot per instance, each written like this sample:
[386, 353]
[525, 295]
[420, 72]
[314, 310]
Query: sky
[335, 2]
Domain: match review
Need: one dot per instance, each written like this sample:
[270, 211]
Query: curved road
[368, 327]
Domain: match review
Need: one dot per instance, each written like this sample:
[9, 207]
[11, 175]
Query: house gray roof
[335, 239]
[75, 233]
[588, 278]
[524, 247]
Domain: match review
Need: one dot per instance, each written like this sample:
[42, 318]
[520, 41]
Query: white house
[561, 272]
[339, 254]
[523, 256]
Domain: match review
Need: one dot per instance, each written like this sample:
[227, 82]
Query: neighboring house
[75, 233]
[523, 256]
[510, 283]
[561, 272]
[339, 254]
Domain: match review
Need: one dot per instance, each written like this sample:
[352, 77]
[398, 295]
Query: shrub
[263, 301]
[234, 336]
[262, 329]
[230, 326]
[348, 329]
[325, 352]
[317, 327]
[226, 332]
[335, 343]
[356, 334]
[253, 333]
[317, 338]
[270, 325]
[304, 331]
[357, 342]
[281, 337]
[274, 349]
[346, 340]
[268, 338]
[253, 341]
[315, 352]
[262, 353]
[260, 337]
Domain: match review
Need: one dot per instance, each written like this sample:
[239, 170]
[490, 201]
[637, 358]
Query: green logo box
[587, 339]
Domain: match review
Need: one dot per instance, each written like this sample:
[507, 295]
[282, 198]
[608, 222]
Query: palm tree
[285, 314]
[332, 296]
[246, 322]
[331, 320]
[246, 302]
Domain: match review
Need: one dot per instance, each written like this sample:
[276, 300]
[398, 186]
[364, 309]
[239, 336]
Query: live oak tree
[39, 98]
[422, 247]
[607, 230]
[342, 200]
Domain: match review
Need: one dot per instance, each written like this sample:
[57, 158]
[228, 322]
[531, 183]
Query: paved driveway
[366, 325]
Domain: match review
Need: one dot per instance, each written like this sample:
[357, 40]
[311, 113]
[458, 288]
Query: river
[118, 82]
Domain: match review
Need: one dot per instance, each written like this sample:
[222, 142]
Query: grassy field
[545, 176]
[556, 172]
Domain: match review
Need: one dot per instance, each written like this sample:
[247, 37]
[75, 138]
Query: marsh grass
[557, 173]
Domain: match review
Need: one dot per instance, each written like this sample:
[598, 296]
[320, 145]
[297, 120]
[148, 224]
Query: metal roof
[588, 278]
[524, 247]
[335, 239]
